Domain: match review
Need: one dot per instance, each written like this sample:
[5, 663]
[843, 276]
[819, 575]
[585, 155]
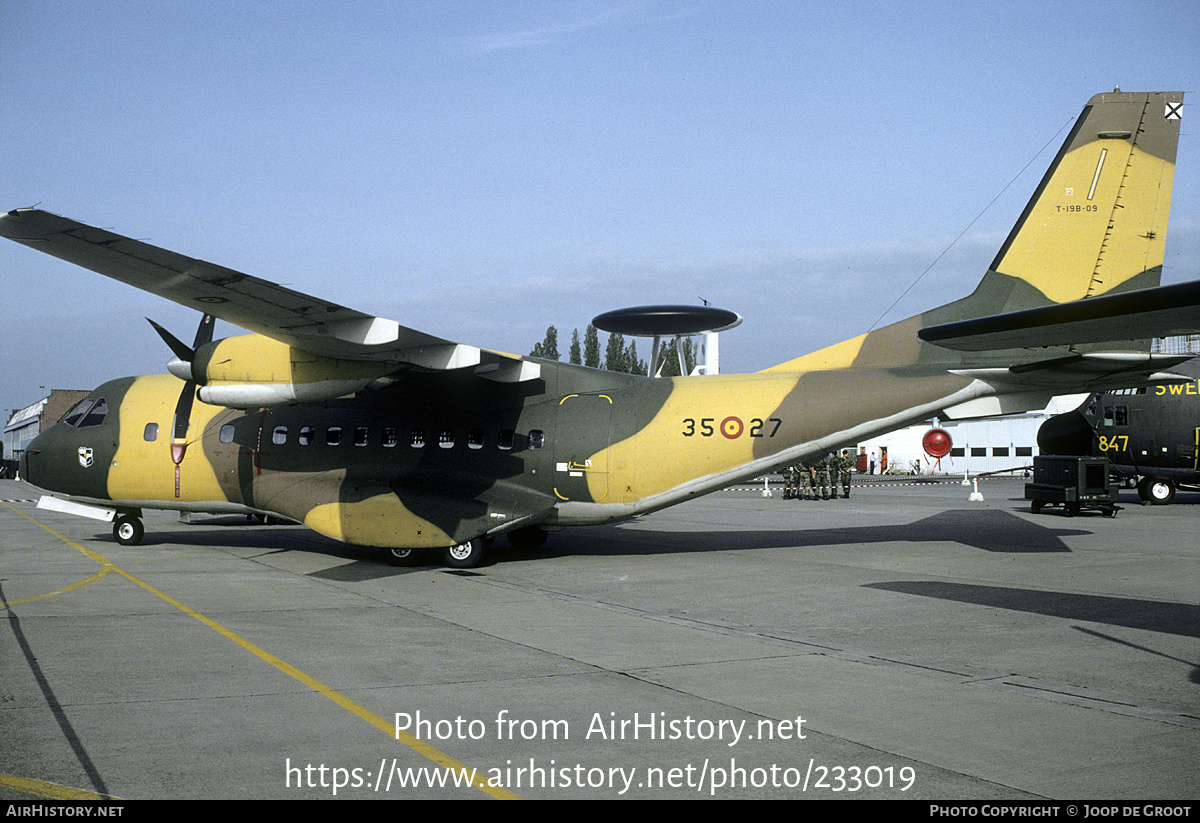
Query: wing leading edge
[309, 323]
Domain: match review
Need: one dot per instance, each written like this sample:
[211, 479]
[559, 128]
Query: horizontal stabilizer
[1133, 315]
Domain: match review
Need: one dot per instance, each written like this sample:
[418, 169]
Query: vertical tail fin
[1098, 221]
[1096, 224]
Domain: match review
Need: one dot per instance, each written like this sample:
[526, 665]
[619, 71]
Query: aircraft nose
[27, 465]
[1068, 433]
[52, 463]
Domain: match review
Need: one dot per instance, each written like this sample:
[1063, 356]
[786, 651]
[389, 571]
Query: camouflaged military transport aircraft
[379, 435]
[1150, 435]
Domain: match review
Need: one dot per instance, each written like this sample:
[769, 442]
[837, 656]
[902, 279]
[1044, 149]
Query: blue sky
[483, 170]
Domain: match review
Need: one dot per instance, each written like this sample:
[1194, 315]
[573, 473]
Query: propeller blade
[204, 332]
[187, 396]
[204, 335]
[175, 344]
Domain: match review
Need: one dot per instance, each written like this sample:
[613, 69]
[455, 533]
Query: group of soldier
[819, 480]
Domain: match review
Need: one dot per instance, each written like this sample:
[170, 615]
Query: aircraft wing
[306, 322]
[1158, 312]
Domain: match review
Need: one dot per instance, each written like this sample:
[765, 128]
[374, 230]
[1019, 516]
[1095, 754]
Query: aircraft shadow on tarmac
[1181, 619]
[989, 529]
[1128, 612]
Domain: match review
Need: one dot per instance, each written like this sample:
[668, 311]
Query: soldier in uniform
[791, 482]
[821, 471]
[846, 468]
[806, 480]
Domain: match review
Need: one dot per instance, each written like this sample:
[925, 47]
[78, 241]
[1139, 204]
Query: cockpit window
[95, 415]
[76, 414]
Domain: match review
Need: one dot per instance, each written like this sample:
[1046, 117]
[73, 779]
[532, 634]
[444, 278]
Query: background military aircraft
[381, 435]
[1149, 434]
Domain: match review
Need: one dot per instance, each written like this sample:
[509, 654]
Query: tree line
[619, 356]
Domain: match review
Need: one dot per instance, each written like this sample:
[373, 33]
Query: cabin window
[307, 434]
[446, 439]
[475, 439]
[390, 438]
[279, 435]
[1109, 415]
[1121, 417]
[333, 435]
[999, 451]
[150, 433]
[1024, 451]
[417, 439]
[979, 451]
[360, 436]
[226, 435]
[958, 451]
[505, 439]
[95, 415]
[537, 438]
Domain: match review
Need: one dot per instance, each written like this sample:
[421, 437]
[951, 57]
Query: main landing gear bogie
[469, 554]
[466, 555]
[400, 557]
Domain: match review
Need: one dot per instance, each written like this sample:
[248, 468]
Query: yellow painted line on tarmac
[100, 575]
[50, 791]
[417, 745]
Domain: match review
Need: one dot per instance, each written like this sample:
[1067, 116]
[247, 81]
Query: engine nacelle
[252, 371]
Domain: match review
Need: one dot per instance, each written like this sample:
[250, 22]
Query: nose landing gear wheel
[128, 530]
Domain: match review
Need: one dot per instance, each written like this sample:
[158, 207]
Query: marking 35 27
[731, 428]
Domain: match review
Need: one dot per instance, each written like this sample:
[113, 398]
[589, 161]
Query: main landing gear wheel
[1156, 492]
[128, 530]
[465, 555]
[400, 557]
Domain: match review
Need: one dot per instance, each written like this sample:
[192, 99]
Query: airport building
[990, 444]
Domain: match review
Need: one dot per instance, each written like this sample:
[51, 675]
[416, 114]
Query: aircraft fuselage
[436, 459]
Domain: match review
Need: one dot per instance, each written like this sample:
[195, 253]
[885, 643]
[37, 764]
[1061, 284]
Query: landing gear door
[581, 445]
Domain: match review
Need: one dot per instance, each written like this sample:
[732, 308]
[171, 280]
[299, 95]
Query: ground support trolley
[1075, 483]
